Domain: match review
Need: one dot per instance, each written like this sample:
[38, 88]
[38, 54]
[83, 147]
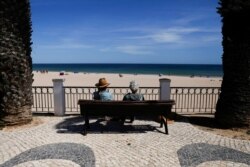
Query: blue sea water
[165, 69]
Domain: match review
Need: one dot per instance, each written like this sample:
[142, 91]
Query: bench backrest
[149, 107]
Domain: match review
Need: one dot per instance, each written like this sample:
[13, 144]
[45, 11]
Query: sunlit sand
[117, 80]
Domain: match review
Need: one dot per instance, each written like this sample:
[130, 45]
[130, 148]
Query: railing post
[59, 97]
[165, 90]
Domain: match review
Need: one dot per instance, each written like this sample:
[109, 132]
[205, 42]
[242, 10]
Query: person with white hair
[134, 95]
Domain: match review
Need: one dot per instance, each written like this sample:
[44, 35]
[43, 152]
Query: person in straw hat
[102, 93]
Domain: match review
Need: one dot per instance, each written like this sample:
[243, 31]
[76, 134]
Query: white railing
[62, 100]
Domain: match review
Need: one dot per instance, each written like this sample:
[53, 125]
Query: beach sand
[116, 80]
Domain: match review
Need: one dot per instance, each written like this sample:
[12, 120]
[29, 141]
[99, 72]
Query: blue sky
[126, 31]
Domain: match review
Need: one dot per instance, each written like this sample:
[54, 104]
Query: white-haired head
[133, 86]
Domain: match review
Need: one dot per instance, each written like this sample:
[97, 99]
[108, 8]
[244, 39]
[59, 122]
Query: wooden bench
[151, 108]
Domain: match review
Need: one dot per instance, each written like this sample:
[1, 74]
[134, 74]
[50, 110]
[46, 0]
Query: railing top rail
[108, 87]
[195, 87]
[126, 87]
[42, 86]
[141, 87]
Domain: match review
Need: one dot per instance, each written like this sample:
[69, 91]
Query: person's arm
[126, 97]
[142, 98]
[111, 96]
[96, 96]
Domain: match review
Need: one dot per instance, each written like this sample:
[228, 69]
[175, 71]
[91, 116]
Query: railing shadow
[70, 125]
[99, 125]
[204, 120]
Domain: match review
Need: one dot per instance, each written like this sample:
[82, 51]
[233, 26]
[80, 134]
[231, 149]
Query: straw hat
[102, 83]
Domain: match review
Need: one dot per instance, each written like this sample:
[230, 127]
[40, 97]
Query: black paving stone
[78, 153]
[195, 154]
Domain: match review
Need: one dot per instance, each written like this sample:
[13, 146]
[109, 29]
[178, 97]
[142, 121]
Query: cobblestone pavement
[58, 142]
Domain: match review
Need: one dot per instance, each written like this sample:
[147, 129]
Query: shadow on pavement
[99, 125]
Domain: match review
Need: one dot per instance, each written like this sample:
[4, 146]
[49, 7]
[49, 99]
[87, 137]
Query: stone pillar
[59, 97]
[165, 90]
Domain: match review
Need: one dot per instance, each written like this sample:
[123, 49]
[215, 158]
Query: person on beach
[102, 93]
[133, 96]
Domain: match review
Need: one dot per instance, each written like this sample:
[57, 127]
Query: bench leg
[84, 130]
[86, 125]
[164, 121]
[161, 121]
[132, 118]
[86, 117]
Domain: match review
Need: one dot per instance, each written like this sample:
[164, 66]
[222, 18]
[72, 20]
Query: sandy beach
[89, 79]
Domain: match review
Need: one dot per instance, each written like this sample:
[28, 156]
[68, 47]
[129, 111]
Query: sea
[160, 69]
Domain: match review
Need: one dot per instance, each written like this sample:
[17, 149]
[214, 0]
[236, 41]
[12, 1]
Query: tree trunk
[233, 106]
[15, 62]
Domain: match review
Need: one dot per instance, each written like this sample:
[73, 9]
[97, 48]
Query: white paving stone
[142, 148]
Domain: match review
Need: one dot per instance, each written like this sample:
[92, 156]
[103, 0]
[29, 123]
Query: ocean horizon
[164, 69]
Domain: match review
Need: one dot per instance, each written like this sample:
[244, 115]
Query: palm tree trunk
[15, 62]
[233, 106]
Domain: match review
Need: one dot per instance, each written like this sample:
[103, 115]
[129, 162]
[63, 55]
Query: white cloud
[159, 37]
[211, 38]
[134, 50]
[66, 46]
[166, 37]
[173, 34]
[170, 35]
[66, 43]
[186, 20]
[180, 36]
[185, 30]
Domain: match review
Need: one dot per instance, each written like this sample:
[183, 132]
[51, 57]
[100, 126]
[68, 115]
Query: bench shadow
[99, 125]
